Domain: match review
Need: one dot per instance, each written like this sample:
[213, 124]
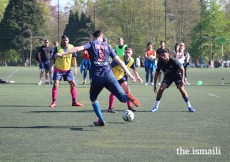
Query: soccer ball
[128, 115]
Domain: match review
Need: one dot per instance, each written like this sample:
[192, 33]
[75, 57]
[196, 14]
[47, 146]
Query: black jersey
[172, 68]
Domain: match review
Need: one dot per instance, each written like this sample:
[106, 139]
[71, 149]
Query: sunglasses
[46, 42]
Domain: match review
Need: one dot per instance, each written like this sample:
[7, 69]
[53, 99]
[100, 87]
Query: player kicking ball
[174, 72]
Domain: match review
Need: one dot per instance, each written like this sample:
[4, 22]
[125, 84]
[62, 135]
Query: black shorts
[123, 79]
[169, 79]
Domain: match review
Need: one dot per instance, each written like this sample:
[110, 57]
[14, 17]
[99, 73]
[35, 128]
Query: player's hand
[140, 80]
[155, 88]
[133, 79]
[58, 55]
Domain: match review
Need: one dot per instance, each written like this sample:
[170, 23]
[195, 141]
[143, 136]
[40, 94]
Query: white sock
[157, 104]
[188, 104]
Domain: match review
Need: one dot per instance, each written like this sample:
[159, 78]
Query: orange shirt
[86, 55]
[152, 52]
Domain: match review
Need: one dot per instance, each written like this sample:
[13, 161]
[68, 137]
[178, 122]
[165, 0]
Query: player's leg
[159, 78]
[111, 103]
[85, 74]
[41, 67]
[185, 74]
[95, 88]
[47, 67]
[151, 76]
[184, 94]
[69, 76]
[56, 77]
[146, 75]
[167, 81]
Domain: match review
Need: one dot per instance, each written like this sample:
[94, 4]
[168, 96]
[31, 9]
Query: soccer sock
[187, 102]
[157, 102]
[111, 100]
[54, 94]
[73, 94]
[97, 110]
[129, 103]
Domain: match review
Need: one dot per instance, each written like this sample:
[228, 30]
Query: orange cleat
[77, 104]
[53, 104]
[133, 99]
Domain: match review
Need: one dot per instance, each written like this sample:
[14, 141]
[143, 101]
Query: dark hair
[128, 48]
[161, 41]
[97, 33]
[164, 51]
[149, 44]
[45, 40]
[63, 36]
[176, 46]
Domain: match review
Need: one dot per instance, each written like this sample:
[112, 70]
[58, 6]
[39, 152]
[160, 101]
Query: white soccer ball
[128, 115]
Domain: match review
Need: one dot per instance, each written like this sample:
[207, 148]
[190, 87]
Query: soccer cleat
[97, 123]
[146, 83]
[47, 82]
[53, 104]
[186, 83]
[154, 109]
[152, 83]
[51, 83]
[159, 83]
[132, 109]
[190, 109]
[40, 82]
[112, 110]
[77, 104]
[133, 99]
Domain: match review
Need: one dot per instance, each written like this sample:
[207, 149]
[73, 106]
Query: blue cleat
[154, 109]
[190, 109]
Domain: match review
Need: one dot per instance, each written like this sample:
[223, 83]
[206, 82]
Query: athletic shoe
[187, 83]
[133, 99]
[83, 83]
[152, 83]
[77, 104]
[51, 83]
[159, 83]
[146, 83]
[40, 82]
[154, 109]
[132, 109]
[112, 110]
[190, 109]
[97, 123]
[47, 82]
[53, 104]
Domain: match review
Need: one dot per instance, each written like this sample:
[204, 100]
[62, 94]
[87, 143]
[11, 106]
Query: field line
[212, 95]
[13, 73]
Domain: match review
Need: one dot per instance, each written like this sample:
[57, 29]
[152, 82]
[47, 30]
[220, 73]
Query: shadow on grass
[51, 127]
[83, 111]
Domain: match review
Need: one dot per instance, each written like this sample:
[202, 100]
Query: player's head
[64, 40]
[128, 51]
[149, 45]
[120, 41]
[164, 54]
[46, 42]
[162, 44]
[55, 43]
[182, 46]
[98, 35]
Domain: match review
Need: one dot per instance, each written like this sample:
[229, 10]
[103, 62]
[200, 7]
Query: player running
[101, 73]
[122, 78]
[172, 68]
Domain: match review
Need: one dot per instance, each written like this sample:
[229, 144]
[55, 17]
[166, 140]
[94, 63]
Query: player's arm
[137, 75]
[123, 66]
[39, 56]
[188, 57]
[74, 62]
[70, 51]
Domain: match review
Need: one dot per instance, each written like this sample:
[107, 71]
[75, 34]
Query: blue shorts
[110, 83]
[44, 65]
[67, 75]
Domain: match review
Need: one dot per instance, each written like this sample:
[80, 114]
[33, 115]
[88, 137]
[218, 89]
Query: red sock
[54, 94]
[111, 100]
[73, 92]
[129, 103]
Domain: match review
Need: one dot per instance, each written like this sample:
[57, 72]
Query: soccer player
[120, 49]
[150, 63]
[122, 78]
[101, 73]
[171, 67]
[44, 55]
[62, 68]
[162, 46]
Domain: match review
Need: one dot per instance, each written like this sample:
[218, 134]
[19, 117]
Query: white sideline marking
[13, 73]
[212, 95]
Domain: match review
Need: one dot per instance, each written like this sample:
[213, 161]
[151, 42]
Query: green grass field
[32, 131]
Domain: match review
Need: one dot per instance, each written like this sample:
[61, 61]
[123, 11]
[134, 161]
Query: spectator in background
[5, 64]
[85, 66]
[138, 61]
[120, 48]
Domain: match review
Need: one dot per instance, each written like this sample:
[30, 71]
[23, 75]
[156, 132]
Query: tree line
[199, 24]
